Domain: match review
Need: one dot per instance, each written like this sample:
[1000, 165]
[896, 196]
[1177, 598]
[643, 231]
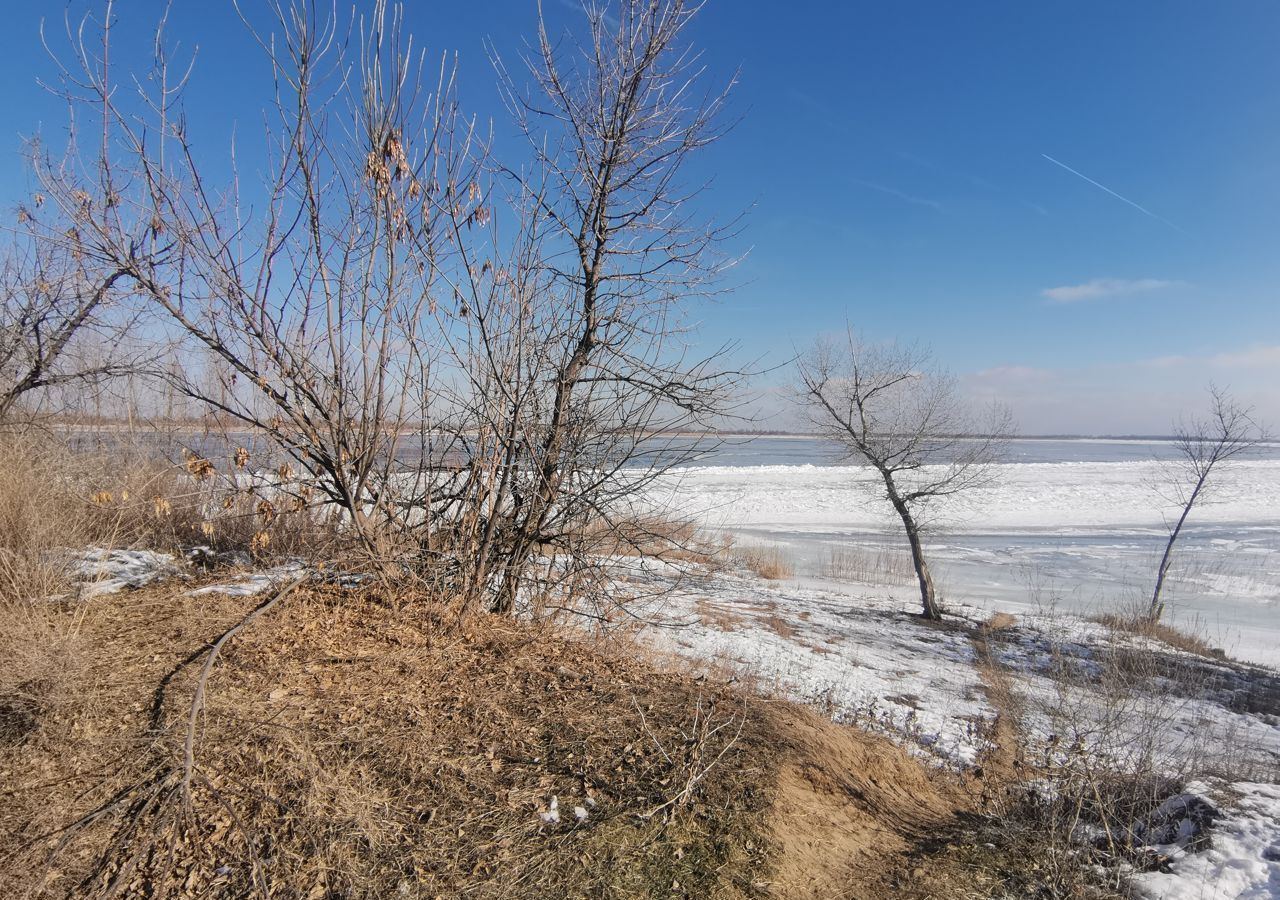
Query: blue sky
[905, 167]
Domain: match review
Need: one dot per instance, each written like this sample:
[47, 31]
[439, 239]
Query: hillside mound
[344, 746]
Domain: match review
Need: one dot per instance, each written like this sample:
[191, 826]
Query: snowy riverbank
[1080, 536]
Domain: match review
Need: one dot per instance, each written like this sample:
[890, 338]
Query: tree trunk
[1156, 610]
[930, 608]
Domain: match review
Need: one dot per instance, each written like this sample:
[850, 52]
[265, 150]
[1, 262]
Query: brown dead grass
[1159, 631]
[354, 748]
[778, 625]
[672, 540]
[1000, 621]
[42, 512]
[714, 615]
[766, 560]
[846, 811]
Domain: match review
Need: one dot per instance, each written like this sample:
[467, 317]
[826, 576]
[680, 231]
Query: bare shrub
[477, 363]
[581, 383]
[303, 304]
[1112, 730]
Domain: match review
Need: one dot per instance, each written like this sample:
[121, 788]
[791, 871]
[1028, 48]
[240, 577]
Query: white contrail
[1141, 209]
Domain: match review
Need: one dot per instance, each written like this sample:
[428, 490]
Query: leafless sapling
[889, 408]
[1202, 448]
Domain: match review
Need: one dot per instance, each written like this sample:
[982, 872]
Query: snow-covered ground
[1053, 540]
[1077, 535]
[868, 661]
[1243, 859]
[864, 658]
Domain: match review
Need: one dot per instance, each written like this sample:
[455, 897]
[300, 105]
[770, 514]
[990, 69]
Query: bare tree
[305, 303]
[53, 305]
[481, 362]
[890, 409]
[1202, 447]
[578, 346]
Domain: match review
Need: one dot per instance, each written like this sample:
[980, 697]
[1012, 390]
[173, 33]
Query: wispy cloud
[1099, 288]
[901, 195]
[1103, 187]
[1132, 395]
[1013, 373]
[1258, 356]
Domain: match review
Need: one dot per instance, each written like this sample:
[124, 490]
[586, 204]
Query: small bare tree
[1202, 447]
[889, 408]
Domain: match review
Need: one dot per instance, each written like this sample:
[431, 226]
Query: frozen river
[1073, 524]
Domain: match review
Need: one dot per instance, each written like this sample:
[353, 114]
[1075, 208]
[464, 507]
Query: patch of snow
[253, 583]
[1242, 861]
[109, 571]
[552, 815]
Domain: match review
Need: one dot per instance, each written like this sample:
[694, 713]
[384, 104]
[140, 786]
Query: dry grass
[653, 537]
[860, 564]
[716, 616]
[765, 560]
[1000, 621]
[55, 501]
[778, 625]
[350, 747]
[1168, 635]
[44, 513]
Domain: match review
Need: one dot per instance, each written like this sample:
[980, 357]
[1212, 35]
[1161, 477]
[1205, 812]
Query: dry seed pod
[199, 467]
[266, 511]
